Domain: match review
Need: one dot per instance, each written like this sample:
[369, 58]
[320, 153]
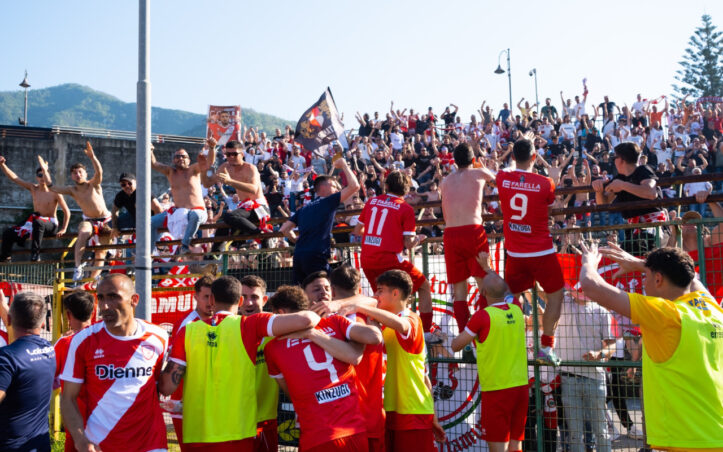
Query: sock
[547, 341]
[426, 320]
[461, 313]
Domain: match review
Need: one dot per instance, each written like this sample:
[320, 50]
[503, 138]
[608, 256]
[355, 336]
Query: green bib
[219, 389]
[267, 389]
[502, 357]
[684, 395]
[405, 391]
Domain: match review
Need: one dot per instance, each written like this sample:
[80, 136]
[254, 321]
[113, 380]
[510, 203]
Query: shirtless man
[43, 220]
[89, 196]
[464, 235]
[185, 180]
[252, 213]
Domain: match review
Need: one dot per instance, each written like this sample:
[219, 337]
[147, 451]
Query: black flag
[320, 124]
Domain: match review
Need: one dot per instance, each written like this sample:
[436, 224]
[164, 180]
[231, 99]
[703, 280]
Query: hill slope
[79, 106]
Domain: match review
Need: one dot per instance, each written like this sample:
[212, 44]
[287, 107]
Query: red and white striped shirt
[119, 374]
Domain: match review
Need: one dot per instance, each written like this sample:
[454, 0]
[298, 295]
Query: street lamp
[537, 101]
[26, 85]
[499, 70]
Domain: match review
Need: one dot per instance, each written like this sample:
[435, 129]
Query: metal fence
[590, 403]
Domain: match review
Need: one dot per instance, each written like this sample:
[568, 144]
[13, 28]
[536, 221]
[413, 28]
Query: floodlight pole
[143, 164]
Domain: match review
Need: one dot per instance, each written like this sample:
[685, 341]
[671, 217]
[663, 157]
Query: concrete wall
[61, 150]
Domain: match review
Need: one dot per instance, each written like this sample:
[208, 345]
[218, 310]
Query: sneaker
[35, 256]
[546, 355]
[431, 338]
[78, 273]
[634, 432]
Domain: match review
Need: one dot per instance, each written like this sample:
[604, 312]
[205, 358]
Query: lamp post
[499, 70]
[533, 72]
[26, 85]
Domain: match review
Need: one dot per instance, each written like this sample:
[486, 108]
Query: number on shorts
[382, 219]
[519, 204]
[327, 365]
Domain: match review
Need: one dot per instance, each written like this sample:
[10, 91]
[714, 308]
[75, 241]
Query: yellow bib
[219, 391]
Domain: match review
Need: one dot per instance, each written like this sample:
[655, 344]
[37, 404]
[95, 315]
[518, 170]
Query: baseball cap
[127, 176]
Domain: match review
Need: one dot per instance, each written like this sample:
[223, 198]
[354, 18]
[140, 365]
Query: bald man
[499, 334]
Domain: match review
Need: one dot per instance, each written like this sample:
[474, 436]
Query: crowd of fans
[575, 145]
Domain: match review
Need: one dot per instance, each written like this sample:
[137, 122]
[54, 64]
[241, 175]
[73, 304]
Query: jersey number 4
[382, 219]
[327, 365]
[518, 203]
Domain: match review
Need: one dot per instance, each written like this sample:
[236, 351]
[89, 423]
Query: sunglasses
[126, 184]
[231, 154]
[180, 156]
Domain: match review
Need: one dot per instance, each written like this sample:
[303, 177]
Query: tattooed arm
[171, 377]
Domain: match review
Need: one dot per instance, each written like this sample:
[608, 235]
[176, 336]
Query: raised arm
[97, 169]
[49, 182]
[160, 167]
[12, 176]
[290, 323]
[352, 182]
[597, 288]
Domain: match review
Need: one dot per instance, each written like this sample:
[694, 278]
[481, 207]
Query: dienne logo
[110, 372]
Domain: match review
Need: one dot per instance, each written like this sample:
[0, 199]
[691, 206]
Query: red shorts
[417, 276]
[411, 440]
[267, 436]
[376, 445]
[178, 427]
[242, 445]
[522, 272]
[462, 244]
[354, 443]
[504, 413]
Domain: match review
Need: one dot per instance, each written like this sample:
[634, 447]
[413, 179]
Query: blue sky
[277, 57]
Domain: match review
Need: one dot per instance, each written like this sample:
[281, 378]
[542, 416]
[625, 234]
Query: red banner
[169, 307]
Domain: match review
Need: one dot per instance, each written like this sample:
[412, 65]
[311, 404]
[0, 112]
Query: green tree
[701, 73]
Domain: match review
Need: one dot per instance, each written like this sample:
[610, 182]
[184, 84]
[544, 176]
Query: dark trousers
[618, 392]
[40, 229]
[241, 220]
[304, 265]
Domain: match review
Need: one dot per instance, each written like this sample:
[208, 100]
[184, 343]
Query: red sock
[426, 320]
[461, 313]
[547, 341]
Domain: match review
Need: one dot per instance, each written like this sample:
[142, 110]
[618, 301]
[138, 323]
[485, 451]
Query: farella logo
[110, 372]
[521, 185]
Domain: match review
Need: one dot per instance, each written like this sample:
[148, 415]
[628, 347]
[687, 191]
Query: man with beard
[189, 211]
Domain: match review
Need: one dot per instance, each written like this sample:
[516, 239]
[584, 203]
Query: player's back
[322, 388]
[386, 218]
[524, 199]
[462, 193]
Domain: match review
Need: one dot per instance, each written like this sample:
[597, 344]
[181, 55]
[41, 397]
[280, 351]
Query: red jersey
[370, 374]
[322, 388]
[174, 405]
[254, 328]
[524, 197]
[713, 269]
[386, 219]
[119, 375]
[61, 355]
